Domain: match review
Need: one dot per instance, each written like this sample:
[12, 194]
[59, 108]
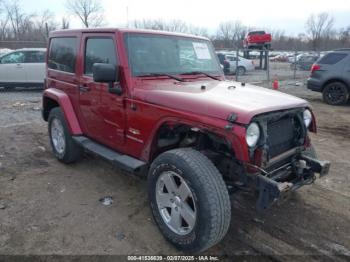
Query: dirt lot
[49, 208]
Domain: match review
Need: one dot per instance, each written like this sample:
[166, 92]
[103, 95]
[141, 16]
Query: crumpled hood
[218, 99]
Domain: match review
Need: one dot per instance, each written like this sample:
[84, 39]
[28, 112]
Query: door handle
[19, 66]
[84, 88]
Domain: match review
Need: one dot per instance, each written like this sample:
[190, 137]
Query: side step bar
[124, 162]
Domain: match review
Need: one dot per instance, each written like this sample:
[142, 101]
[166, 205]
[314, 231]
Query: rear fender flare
[65, 104]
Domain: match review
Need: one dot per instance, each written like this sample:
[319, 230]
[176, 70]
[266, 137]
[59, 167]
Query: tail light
[315, 67]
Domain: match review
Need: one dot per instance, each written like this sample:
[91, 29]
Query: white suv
[23, 68]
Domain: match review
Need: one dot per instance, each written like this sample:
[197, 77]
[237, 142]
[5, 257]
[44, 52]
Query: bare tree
[65, 23]
[90, 12]
[232, 33]
[344, 36]
[15, 16]
[319, 27]
[46, 23]
[171, 26]
[200, 31]
[4, 21]
[160, 24]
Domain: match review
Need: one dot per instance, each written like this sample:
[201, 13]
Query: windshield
[157, 54]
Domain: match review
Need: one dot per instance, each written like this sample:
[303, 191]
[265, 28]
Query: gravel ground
[50, 208]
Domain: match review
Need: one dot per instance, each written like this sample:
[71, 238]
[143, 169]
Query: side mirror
[107, 73]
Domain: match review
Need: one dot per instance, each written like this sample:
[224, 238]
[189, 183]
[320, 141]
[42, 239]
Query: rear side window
[62, 54]
[332, 58]
[99, 50]
[34, 57]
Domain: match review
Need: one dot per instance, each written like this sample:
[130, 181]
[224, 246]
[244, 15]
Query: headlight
[253, 134]
[307, 117]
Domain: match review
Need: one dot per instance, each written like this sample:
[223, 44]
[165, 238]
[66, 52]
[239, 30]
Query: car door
[233, 63]
[34, 66]
[12, 69]
[102, 111]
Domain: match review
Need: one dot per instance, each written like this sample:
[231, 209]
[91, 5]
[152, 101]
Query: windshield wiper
[163, 74]
[201, 73]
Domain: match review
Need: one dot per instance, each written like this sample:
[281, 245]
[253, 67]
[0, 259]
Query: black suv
[331, 76]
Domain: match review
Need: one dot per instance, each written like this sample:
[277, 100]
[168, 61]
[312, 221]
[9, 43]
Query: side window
[62, 55]
[34, 57]
[332, 58]
[99, 50]
[13, 58]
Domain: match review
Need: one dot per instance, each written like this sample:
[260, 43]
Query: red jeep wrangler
[257, 39]
[157, 104]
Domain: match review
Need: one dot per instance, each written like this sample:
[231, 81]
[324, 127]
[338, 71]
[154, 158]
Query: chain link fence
[268, 67]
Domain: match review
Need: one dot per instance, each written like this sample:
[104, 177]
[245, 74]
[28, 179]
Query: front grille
[281, 135]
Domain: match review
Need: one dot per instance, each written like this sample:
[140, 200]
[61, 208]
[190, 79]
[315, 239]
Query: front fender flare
[65, 104]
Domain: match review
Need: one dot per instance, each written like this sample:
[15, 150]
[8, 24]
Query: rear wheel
[335, 93]
[240, 70]
[189, 199]
[63, 146]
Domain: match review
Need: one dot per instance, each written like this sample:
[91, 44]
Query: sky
[289, 16]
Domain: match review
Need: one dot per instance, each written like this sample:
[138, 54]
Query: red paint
[130, 122]
[257, 39]
[67, 108]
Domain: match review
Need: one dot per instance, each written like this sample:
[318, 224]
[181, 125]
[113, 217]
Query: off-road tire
[210, 194]
[333, 87]
[72, 152]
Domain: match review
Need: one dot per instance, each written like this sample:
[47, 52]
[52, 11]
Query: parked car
[224, 62]
[293, 58]
[279, 58]
[304, 62]
[4, 51]
[128, 96]
[244, 65]
[257, 39]
[331, 76]
[23, 68]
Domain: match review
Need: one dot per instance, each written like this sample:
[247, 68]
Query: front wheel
[189, 199]
[335, 93]
[63, 146]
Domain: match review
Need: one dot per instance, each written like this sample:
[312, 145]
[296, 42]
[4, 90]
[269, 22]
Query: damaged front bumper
[276, 184]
